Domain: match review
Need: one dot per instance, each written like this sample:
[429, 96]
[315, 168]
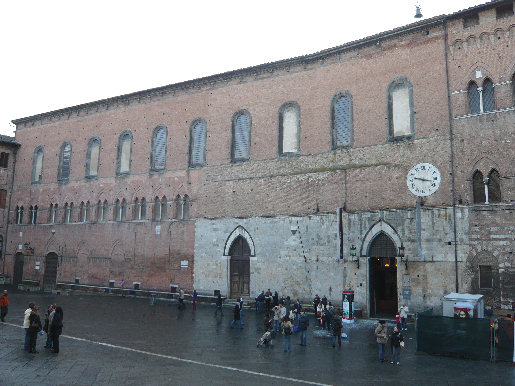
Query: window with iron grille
[93, 158]
[241, 124]
[198, 143]
[400, 109]
[4, 160]
[123, 164]
[474, 100]
[485, 276]
[37, 165]
[65, 157]
[158, 155]
[488, 95]
[341, 120]
[289, 128]
[3, 198]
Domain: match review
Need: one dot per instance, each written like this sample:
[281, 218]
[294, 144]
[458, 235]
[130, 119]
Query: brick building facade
[289, 175]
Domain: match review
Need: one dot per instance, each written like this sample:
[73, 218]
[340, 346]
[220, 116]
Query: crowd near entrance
[240, 268]
[383, 276]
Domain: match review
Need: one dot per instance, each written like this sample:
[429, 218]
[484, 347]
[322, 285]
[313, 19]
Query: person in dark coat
[4, 305]
[219, 305]
[337, 330]
[287, 304]
[56, 328]
[268, 300]
[303, 328]
[316, 301]
[236, 317]
[34, 327]
[324, 302]
[397, 341]
[48, 319]
[275, 299]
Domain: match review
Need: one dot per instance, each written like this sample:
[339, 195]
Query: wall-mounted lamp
[293, 230]
[27, 246]
[353, 254]
[403, 257]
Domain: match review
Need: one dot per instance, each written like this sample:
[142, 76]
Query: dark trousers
[33, 337]
[339, 337]
[26, 345]
[55, 343]
[3, 312]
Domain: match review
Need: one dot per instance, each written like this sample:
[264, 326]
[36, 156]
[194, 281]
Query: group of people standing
[396, 341]
[53, 326]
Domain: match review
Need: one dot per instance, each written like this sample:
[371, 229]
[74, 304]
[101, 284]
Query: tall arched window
[289, 128]
[37, 165]
[19, 215]
[123, 164]
[342, 132]
[65, 212]
[105, 208]
[52, 213]
[186, 207]
[400, 109]
[164, 207]
[488, 96]
[158, 154]
[241, 124]
[136, 209]
[65, 158]
[123, 214]
[33, 213]
[198, 143]
[478, 188]
[143, 209]
[117, 211]
[494, 186]
[156, 215]
[179, 208]
[82, 212]
[474, 100]
[93, 158]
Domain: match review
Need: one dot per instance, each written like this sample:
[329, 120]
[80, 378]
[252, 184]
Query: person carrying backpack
[337, 330]
[287, 331]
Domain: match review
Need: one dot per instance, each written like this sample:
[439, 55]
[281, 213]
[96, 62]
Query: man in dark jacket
[237, 316]
[303, 328]
[337, 330]
[316, 300]
[219, 305]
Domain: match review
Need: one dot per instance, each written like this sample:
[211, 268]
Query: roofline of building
[9, 141]
[269, 67]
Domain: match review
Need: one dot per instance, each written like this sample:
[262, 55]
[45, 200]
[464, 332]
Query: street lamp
[353, 254]
[403, 258]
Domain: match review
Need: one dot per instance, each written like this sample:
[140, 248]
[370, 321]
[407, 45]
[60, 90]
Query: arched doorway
[240, 268]
[383, 276]
[50, 277]
[18, 269]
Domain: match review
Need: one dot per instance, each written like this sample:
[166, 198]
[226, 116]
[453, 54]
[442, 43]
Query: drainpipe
[4, 249]
[451, 143]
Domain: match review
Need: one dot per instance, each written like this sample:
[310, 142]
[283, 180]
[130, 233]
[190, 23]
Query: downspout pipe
[4, 248]
[451, 143]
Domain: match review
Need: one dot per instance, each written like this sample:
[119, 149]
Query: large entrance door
[50, 277]
[383, 276]
[18, 269]
[240, 268]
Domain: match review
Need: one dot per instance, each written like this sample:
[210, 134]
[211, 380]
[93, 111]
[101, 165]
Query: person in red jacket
[4, 305]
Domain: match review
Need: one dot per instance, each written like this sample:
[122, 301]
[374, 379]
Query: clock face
[423, 179]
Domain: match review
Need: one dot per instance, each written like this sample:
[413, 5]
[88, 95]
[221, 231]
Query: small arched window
[37, 165]
[186, 207]
[33, 213]
[136, 209]
[104, 211]
[179, 207]
[82, 212]
[19, 215]
[158, 154]
[400, 109]
[164, 208]
[123, 214]
[474, 99]
[241, 124]
[123, 164]
[93, 158]
[198, 131]
[494, 186]
[342, 132]
[117, 211]
[156, 215]
[289, 128]
[478, 188]
[488, 96]
[65, 159]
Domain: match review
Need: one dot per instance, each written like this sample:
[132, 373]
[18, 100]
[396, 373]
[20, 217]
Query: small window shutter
[241, 138]
[342, 121]
[488, 96]
[160, 149]
[65, 166]
[199, 142]
[473, 99]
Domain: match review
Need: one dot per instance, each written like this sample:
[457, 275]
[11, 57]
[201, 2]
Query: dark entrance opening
[383, 276]
[240, 268]
[18, 269]
[50, 277]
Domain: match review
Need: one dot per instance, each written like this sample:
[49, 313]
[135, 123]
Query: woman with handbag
[397, 343]
[34, 328]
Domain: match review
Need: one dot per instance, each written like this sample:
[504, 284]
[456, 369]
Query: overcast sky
[57, 54]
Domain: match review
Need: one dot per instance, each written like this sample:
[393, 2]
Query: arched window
[65, 212]
[37, 165]
[143, 209]
[82, 212]
[289, 128]
[186, 207]
[136, 209]
[474, 100]
[488, 96]
[198, 143]
[494, 186]
[164, 207]
[158, 154]
[117, 211]
[65, 157]
[51, 213]
[33, 213]
[342, 132]
[123, 164]
[400, 109]
[241, 124]
[19, 215]
[478, 188]
[93, 158]
[179, 206]
[123, 214]
[88, 211]
[105, 208]
[156, 215]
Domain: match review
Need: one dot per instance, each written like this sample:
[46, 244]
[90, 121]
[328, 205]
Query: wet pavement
[113, 340]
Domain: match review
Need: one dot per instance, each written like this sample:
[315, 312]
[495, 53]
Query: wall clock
[423, 179]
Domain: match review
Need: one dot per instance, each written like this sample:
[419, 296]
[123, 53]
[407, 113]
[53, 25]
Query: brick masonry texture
[269, 194]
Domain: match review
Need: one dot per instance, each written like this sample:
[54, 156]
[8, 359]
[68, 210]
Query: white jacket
[26, 322]
[403, 311]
